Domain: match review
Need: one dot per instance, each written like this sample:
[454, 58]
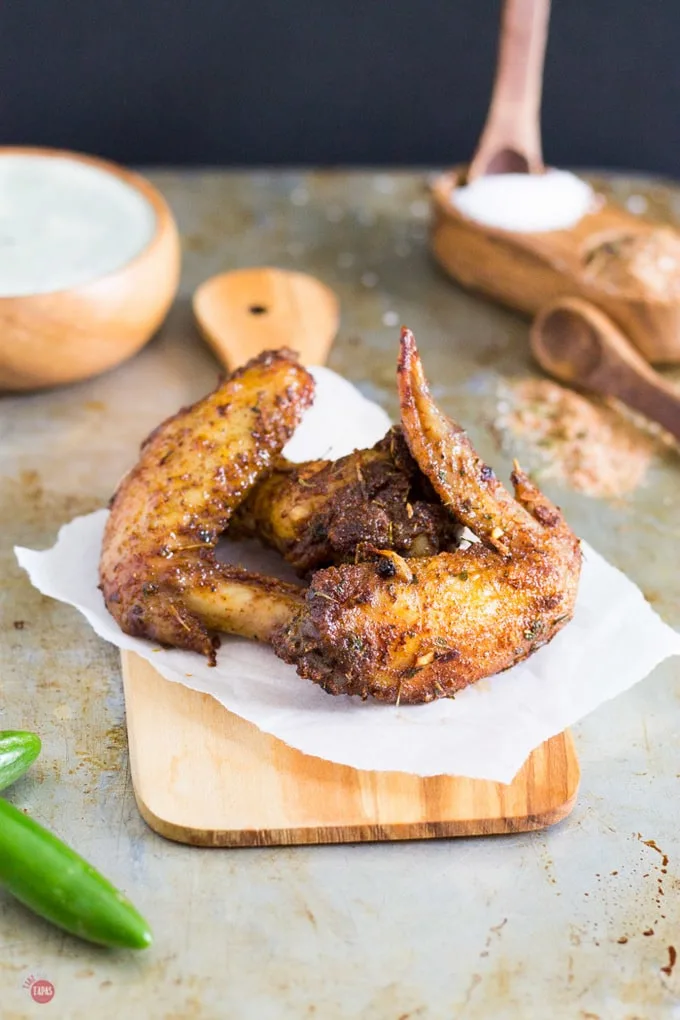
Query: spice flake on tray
[584, 444]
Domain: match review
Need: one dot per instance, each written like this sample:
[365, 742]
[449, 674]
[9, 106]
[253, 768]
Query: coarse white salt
[637, 204]
[420, 209]
[64, 223]
[526, 203]
[299, 196]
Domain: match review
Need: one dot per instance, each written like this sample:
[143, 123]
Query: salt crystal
[526, 203]
[390, 319]
[369, 279]
[299, 196]
[637, 204]
[419, 208]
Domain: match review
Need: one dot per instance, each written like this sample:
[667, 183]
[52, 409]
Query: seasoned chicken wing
[327, 512]
[414, 630]
[158, 572]
[409, 618]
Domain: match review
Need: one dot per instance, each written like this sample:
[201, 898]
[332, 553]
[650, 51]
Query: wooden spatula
[580, 345]
[511, 139]
[244, 312]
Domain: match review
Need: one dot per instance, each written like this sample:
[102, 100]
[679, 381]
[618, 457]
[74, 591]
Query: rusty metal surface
[575, 922]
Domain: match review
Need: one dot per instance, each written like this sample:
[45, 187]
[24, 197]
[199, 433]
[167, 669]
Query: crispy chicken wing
[399, 629]
[412, 631]
[327, 512]
[158, 573]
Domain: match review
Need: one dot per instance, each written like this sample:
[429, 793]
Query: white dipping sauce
[526, 203]
[64, 223]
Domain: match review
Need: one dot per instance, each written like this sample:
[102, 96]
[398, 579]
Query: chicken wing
[158, 572]
[417, 620]
[412, 631]
[327, 512]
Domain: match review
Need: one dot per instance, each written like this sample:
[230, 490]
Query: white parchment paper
[487, 732]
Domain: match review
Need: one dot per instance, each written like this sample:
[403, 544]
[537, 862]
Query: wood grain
[204, 776]
[511, 139]
[60, 337]
[526, 271]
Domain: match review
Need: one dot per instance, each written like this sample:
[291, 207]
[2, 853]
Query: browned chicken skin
[398, 629]
[158, 573]
[412, 631]
[328, 512]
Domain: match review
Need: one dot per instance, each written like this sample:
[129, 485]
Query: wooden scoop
[511, 139]
[526, 270]
[247, 311]
[578, 344]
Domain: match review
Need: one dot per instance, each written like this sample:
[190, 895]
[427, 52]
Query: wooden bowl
[60, 336]
[527, 270]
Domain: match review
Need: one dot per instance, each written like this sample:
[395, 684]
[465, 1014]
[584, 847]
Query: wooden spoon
[244, 312]
[511, 139]
[578, 344]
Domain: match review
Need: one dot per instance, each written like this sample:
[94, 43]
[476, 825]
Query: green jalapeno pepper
[18, 751]
[56, 883]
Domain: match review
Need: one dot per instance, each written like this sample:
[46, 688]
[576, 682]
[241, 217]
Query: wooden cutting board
[204, 776]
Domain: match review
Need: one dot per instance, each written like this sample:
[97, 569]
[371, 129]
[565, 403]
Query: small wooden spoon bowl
[526, 271]
[243, 312]
[579, 345]
[48, 339]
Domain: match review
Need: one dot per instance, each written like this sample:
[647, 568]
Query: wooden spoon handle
[578, 344]
[511, 139]
[247, 311]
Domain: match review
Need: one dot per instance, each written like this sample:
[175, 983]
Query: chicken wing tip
[408, 349]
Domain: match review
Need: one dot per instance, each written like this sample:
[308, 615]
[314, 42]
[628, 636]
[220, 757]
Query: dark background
[330, 81]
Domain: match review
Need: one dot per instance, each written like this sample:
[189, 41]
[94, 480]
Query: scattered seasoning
[19, 624]
[652, 844]
[591, 446]
[632, 263]
[672, 957]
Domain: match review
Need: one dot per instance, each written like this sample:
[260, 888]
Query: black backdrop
[330, 81]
